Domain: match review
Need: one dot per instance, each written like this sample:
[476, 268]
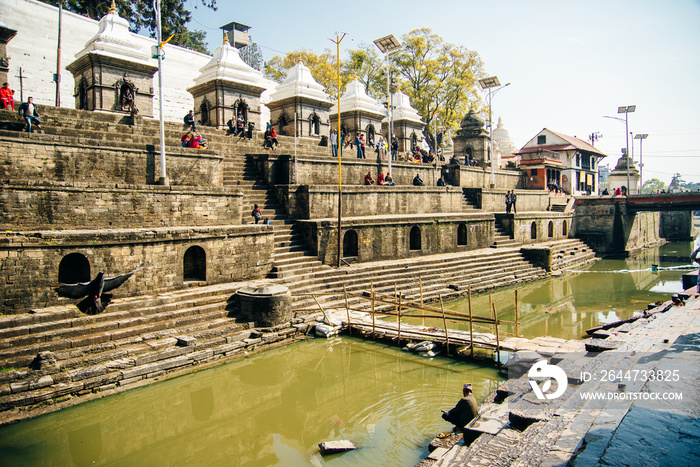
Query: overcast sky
[568, 62]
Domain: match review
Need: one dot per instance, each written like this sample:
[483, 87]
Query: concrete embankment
[638, 403]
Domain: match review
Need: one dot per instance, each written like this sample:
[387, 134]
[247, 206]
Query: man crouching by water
[465, 410]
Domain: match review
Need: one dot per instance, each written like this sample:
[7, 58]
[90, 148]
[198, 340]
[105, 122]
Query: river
[273, 408]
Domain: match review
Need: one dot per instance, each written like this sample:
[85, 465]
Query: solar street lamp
[490, 83]
[386, 45]
[640, 137]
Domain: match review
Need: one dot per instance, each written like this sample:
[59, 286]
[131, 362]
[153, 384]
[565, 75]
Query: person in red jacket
[7, 99]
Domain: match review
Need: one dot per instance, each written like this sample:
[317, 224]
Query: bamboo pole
[420, 282]
[398, 318]
[371, 285]
[347, 310]
[328, 320]
[444, 323]
[517, 325]
[471, 324]
[498, 342]
[490, 306]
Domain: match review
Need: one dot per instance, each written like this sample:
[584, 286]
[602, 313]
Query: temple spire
[113, 8]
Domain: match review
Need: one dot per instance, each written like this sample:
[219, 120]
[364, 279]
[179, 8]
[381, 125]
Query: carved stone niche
[102, 83]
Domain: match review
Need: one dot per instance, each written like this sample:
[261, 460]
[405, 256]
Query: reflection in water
[269, 409]
[85, 445]
[202, 402]
[567, 305]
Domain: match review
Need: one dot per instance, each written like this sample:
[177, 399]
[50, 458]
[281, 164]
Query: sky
[569, 62]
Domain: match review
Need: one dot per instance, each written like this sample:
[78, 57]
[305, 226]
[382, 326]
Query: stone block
[331, 447]
[186, 341]
[87, 372]
[42, 382]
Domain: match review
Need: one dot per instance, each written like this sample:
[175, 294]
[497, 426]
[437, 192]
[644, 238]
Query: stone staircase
[501, 238]
[53, 354]
[291, 255]
[103, 129]
[569, 252]
[469, 201]
[446, 275]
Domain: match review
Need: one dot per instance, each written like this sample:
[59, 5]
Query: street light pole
[163, 177]
[641, 137]
[386, 45]
[337, 40]
[490, 83]
[626, 110]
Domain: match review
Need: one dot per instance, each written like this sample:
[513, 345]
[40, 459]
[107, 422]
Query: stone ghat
[515, 428]
[57, 357]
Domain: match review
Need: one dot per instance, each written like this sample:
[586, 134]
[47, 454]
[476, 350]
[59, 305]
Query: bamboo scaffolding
[420, 282]
[517, 326]
[444, 321]
[397, 305]
[398, 319]
[434, 337]
[371, 284]
[347, 310]
[328, 320]
[498, 342]
[471, 322]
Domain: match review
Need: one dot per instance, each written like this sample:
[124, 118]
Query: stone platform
[520, 430]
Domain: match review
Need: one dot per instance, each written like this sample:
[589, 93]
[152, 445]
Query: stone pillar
[265, 303]
[6, 35]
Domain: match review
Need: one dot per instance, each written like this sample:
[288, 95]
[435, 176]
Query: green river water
[273, 408]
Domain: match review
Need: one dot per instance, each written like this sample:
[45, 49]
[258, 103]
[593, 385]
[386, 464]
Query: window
[550, 230]
[350, 243]
[541, 139]
[314, 125]
[461, 234]
[414, 241]
[564, 229]
[74, 268]
[194, 264]
[533, 172]
[533, 231]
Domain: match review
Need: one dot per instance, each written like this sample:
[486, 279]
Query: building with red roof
[555, 159]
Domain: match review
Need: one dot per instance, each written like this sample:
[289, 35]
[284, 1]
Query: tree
[140, 14]
[653, 185]
[365, 64]
[252, 55]
[440, 79]
[323, 68]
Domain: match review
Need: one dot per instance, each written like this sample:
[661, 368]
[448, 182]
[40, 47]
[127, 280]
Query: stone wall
[61, 206]
[494, 200]
[605, 225]
[676, 225]
[319, 202]
[461, 175]
[388, 238]
[536, 227]
[30, 262]
[324, 170]
[37, 161]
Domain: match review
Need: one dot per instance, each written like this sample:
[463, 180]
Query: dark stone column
[265, 303]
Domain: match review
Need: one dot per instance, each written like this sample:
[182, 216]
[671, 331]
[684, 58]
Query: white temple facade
[359, 113]
[111, 65]
[408, 125]
[300, 98]
[227, 87]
